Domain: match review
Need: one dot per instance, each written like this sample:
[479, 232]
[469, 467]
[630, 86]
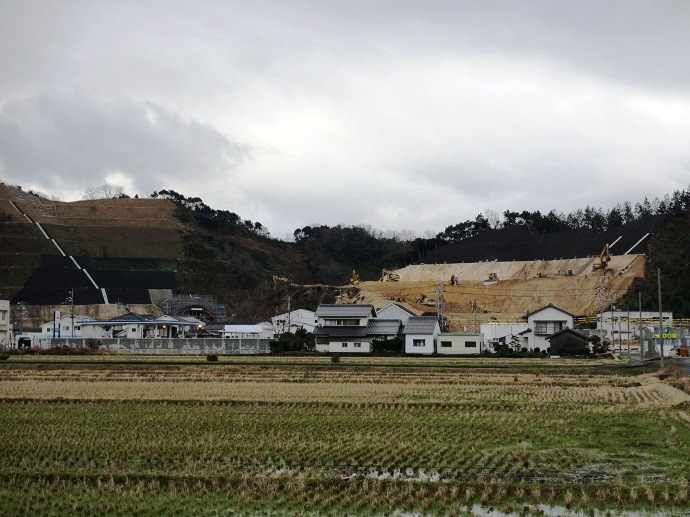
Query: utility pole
[661, 317]
[639, 328]
[628, 332]
[289, 322]
[70, 302]
[613, 340]
[439, 305]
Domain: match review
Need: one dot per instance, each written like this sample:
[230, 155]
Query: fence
[206, 346]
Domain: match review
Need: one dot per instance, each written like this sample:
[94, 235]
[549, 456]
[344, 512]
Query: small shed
[420, 335]
[460, 343]
[568, 342]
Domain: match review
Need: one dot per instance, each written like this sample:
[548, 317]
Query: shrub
[212, 358]
[335, 358]
[93, 344]
[4, 357]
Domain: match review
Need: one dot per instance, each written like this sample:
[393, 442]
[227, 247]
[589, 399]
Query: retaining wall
[176, 346]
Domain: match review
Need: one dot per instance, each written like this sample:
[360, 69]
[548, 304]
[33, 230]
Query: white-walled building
[395, 311]
[294, 320]
[542, 323]
[420, 335]
[64, 326]
[351, 328]
[135, 326]
[621, 325]
[460, 343]
[495, 333]
[5, 325]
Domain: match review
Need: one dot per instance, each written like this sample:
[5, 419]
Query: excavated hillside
[507, 291]
[505, 274]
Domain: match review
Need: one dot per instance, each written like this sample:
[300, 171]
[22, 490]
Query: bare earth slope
[521, 287]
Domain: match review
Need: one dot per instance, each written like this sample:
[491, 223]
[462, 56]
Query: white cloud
[415, 117]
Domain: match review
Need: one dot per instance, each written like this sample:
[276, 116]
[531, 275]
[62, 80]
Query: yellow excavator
[603, 261]
[389, 276]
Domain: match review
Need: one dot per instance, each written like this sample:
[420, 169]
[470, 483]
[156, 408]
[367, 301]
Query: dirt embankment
[506, 291]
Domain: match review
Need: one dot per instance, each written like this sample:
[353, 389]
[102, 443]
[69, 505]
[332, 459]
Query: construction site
[502, 276]
[128, 251]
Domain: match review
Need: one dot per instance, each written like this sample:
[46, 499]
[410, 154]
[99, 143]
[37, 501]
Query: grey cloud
[54, 138]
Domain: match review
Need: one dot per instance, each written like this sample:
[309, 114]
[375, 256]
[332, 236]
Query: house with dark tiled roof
[542, 323]
[568, 342]
[420, 335]
[350, 328]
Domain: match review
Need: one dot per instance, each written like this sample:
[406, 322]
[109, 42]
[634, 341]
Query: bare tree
[104, 192]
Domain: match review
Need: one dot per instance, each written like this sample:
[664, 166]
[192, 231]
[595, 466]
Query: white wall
[552, 320]
[5, 327]
[458, 344]
[393, 312]
[427, 346]
[494, 331]
[350, 347]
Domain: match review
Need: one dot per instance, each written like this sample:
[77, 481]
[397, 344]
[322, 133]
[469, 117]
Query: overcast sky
[402, 115]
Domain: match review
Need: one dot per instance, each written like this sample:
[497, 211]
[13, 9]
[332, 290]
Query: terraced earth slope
[520, 287]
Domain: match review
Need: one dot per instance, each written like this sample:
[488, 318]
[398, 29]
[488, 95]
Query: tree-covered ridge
[222, 221]
[592, 218]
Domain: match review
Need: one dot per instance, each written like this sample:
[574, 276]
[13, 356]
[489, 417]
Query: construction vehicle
[389, 276]
[603, 261]
[354, 279]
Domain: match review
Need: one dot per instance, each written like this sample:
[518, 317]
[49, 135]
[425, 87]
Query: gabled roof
[549, 306]
[338, 310]
[380, 327]
[570, 331]
[421, 325]
[399, 306]
[132, 316]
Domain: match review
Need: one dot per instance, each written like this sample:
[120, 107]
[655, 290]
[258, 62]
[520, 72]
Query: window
[540, 327]
[446, 344]
[470, 344]
[558, 326]
[418, 342]
[3, 315]
[344, 345]
[341, 323]
[358, 345]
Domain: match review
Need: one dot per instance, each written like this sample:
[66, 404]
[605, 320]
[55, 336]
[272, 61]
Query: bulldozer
[389, 276]
[603, 261]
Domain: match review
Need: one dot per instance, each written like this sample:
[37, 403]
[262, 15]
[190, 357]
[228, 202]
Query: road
[683, 363]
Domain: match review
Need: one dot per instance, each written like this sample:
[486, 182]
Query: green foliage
[388, 346]
[331, 253]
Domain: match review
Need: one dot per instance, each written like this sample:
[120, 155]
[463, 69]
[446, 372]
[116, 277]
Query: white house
[5, 326]
[351, 328]
[542, 323]
[395, 311]
[460, 343]
[242, 331]
[135, 326]
[420, 335]
[64, 326]
[295, 320]
[495, 332]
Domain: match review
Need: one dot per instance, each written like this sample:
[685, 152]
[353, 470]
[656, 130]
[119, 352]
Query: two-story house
[350, 328]
[542, 323]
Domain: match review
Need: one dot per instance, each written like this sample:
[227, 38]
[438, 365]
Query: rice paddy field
[114, 435]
